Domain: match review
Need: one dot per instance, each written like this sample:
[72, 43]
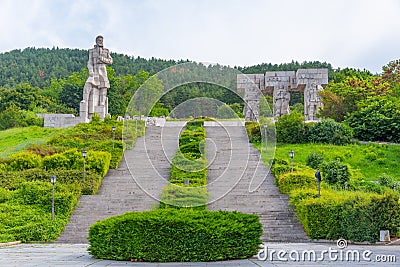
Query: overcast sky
[346, 33]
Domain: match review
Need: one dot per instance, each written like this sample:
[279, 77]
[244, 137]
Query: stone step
[235, 163]
[122, 192]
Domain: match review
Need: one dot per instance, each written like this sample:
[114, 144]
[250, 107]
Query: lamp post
[319, 178]
[53, 182]
[114, 128]
[291, 155]
[84, 163]
[265, 134]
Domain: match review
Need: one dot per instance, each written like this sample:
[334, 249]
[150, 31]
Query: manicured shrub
[4, 167]
[116, 149]
[70, 159]
[26, 216]
[5, 195]
[98, 136]
[290, 129]
[197, 123]
[176, 236]
[75, 159]
[188, 175]
[355, 216]
[40, 195]
[56, 161]
[279, 167]
[194, 148]
[330, 132]
[180, 196]
[295, 180]
[24, 161]
[314, 160]
[253, 131]
[98, 161]
[336, 173]
[195, 134]
[89, 183]
[28, 223]
[183, 168]
[320, 216]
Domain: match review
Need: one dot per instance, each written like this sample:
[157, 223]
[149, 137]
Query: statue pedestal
[87, 109]
[101, 111]
[83, 111]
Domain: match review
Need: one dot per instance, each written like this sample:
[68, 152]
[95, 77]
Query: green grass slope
[371, 160]
[17, 139]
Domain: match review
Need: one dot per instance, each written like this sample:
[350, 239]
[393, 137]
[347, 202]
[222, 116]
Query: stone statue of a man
[95, 90]
[281, 101]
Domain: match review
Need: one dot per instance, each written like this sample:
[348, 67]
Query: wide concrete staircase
[234, 173]
[235, 170]
[135, 186]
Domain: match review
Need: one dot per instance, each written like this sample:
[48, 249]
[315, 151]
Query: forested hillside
[42, 80]
[37, 66]
[36, 80]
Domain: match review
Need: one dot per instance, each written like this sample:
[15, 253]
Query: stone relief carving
[312, 101]
[281, 98]
[280, 84]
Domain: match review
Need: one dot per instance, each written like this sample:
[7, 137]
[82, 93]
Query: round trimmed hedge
[169, 235]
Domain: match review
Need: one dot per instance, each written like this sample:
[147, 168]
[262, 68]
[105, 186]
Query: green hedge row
[25, 213]
[97, 161]
[188, 174]
[178, 196]
[356, 216]
[98, 136]
[176, 236]
[89, 183]
[296, 179]
[292, 129]
[72, 159]
[253, 131]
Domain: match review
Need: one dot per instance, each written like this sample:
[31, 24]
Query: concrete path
[234, 164]
[44, 255]
[135, 186]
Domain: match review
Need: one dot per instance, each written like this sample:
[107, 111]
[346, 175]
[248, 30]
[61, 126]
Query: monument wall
[280, 84]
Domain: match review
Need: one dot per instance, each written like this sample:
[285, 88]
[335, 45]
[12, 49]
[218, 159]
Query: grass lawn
[371, 160]
[17, 139]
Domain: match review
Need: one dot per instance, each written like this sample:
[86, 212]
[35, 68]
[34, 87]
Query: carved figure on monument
[251, 110]
[281, 101]
[252, 103]
[96, 86]
[312, 101]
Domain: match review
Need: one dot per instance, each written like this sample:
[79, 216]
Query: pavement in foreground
[56, 254]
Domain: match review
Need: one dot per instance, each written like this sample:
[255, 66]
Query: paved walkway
[76, 255]
[234, 173]
[135, 186]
